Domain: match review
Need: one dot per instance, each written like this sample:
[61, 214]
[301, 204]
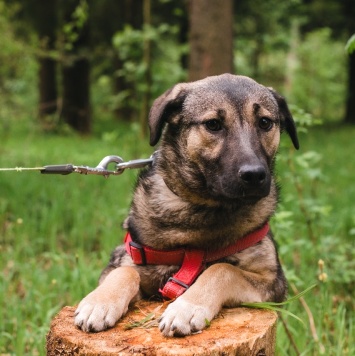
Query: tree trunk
[238, 331]
[349, 12]
[47, 87]
[46, 25]
[147, 59]
[350, 104]
[211, 38]
[76, 78]
[76, 95]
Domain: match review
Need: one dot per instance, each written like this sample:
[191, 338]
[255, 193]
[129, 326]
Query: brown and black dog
[212, 183]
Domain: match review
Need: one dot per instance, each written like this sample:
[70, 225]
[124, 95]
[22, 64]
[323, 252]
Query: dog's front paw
[104, 306]
[183, 318]
[96, 313]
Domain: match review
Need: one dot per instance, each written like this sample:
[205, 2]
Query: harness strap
[142, 255]
[192, 261]
[190, 269]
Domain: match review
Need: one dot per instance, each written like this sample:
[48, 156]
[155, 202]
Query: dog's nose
[252, 175]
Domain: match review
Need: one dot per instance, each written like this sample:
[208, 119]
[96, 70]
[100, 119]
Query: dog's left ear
[286, 118]
[165, 106]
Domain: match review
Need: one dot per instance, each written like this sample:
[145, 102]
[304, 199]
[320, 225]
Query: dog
[211, 186]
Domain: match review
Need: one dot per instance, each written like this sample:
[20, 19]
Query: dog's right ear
[164, 107]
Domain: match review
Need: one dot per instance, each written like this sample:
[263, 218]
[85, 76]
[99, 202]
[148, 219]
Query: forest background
[77, 78]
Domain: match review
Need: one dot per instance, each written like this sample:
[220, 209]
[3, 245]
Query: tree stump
[237, 331]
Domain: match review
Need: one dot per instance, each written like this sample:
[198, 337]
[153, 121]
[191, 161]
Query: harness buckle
[177, 281]
[137, 253]
[173, 288]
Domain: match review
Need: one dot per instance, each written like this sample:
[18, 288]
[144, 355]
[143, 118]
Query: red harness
[192, 261]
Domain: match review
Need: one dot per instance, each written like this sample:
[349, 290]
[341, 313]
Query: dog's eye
[213, 125]
[265, 124]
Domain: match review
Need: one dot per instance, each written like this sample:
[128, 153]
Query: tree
[147, 59]
[350, 101]
[132, 15]
[211, 38]
[262, 29]
[63, 32]
[339, 16]
[76, 67]
[45, 21]
[349, 10]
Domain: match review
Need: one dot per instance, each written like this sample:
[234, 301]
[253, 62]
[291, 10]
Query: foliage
[318, 80]
[262, 46]
[71, 30]
[310, 226]
[165, 69]
[317, 88]
[17, 72]
[350, 45]
[263, 37]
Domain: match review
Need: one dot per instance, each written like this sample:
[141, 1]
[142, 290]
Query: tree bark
[238, 331]
[211, 38]
[76, 79]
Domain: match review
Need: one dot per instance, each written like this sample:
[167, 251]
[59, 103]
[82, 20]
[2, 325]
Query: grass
[57, 233]
[315, 228]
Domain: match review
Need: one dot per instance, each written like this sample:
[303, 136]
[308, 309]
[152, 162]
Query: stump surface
[238, 331]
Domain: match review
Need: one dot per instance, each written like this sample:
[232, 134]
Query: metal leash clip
[101, 169]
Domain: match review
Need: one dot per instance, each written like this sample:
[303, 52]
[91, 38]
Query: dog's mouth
[250, 199]
[247, 199]
[240, 191]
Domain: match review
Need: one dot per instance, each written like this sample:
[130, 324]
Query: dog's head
[226, 131]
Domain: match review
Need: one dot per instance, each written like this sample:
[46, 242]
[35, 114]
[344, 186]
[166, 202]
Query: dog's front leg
[101, 309]
[219, 285]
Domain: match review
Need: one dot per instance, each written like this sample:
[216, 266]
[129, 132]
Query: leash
[101, 169]
[192, 261]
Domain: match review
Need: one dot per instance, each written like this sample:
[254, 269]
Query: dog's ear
[164, 107]
[287, 122]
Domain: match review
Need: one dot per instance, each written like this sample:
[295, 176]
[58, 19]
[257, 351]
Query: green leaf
[350, 45]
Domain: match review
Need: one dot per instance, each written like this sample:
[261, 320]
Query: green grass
[57, 232]
[316, 221]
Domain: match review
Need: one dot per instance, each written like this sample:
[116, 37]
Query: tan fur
[109, 301]
[210, 184]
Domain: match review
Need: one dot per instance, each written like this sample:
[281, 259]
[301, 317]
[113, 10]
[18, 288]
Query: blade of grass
[277, 306]
[271, 307]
